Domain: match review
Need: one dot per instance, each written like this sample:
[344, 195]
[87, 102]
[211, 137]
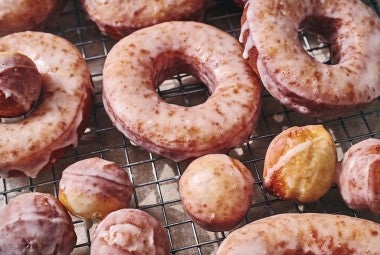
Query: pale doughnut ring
[63, 109]
[297, 80]
[137, 64]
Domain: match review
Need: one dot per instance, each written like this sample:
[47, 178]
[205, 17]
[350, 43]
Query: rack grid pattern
[156, 178]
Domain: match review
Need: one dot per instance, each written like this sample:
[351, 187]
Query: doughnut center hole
[177, 82]
[317, 34]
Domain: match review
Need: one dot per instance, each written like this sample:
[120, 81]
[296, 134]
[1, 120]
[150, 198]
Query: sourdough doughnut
[36, 223]
[216, 191]
[23, 15]
[359, 176]
[308, 233]
[300, 164]
[61, 113]
[130, 231]
[137, 64]
[118, 18]
[107, 188]
[297, 80]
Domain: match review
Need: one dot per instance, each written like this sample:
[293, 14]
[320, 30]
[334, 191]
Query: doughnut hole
[317, 35]
[20, 84]
[216, 192]
[177, 81]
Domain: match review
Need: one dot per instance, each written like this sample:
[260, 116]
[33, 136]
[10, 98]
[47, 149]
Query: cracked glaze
[304, 234]
[28, 145]
[136, 65]
[296, 79]
[118, 18]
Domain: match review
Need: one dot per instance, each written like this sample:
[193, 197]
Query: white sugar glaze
[136, 64]
[307, 233]
[300, 81]
[27, 145]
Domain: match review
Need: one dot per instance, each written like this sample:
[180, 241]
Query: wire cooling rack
[156, 178]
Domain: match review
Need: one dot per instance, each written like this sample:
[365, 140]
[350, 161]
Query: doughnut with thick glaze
[229, 188]
[130, 231]
[138, 63]
[299, 81]
[118, 18]
[61, 114]
[23, 15]
[107, 188]
[358, 176]
[36, 223]
[308, 233]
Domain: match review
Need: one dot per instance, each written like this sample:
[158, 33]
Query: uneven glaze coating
[216, 191]
[20, 84]
[129, 232]
[304, 234]
[358, 176]
[63, 109]
[137, 64]
[297, 80]
[300, 164]
[36, 223]
[94, 187]
[118, 18]
[23, 15]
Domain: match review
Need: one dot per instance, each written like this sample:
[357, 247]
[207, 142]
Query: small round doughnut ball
[216, 191]
[23, 15]
[300, 164]
[36, 223]
[94, 187]
[20, 84]
[130, 231]
[358, 176]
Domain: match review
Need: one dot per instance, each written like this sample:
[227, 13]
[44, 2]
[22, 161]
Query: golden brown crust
[300, 164]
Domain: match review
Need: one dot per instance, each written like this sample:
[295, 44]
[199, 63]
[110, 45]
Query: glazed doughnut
[138, 63]
[308, 233]
[36, 223]
[216, 191]
[23, 15]
[297, 80]
[107, 188]
[359, 176]
[130, 231]
[20, 84]
[118, 18]
[300, 164]
[63, 107]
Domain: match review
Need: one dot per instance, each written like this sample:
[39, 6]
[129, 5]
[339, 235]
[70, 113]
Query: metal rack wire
[156, 178]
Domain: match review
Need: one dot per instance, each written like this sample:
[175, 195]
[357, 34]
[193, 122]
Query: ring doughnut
[307, 233]
[118, 18]
[297, 80]
[136, 65]
[23, 15]
[61, 113]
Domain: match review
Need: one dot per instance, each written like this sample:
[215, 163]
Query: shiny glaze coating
[137, 64]
[36, 223]
[304, 234]
[118, 18]
[358, 176]
[61, 114]
[216, 191]
[299, 81]
[130, 232]
[300, 164]
[20, 84]
[94, 187]
[23, 15]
